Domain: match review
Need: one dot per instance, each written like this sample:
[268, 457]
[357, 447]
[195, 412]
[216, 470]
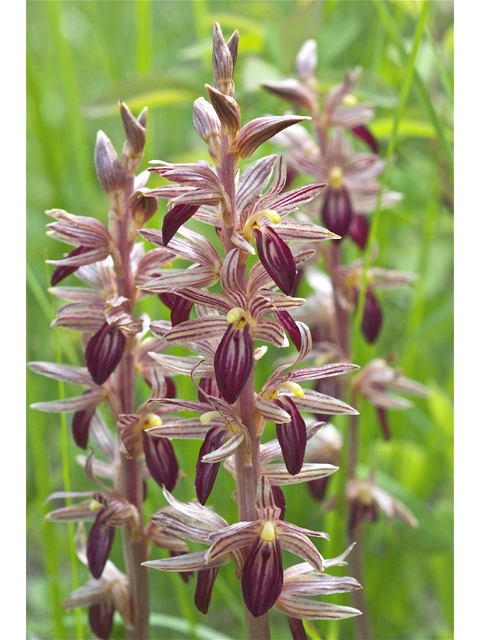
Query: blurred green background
[82, 57]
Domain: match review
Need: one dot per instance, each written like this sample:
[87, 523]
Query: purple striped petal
[290, 326]
[58, 371]
[262, 576]
[104, 351]
[292, 437]
[76, 403]
[307, 609]
[323, 371]
[278, 474]
[259, 130]
[276, 257]
[174, 219]
[293, 540]
[198, 328]
[233, 361]
[205, 473]
[161, 461]
[180, 310]
[319, 403]
[99, 543]
[186, 562]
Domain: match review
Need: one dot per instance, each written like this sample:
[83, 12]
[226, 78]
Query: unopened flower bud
[203, 589]
[99, 543]
[208, 126]
[306, 60]
[110, 171]
[227, 110]
[161, 461]
[143, 207]
[222, 60]
[135, 142]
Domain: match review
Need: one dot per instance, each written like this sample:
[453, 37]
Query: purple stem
[131, 477]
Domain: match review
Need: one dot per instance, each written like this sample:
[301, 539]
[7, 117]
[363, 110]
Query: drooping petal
[262, 576]
[292, 438]
[364, 133]
[203, 590]
[372, 317]
[297, 629]
[161, 461]
[290, 326]
[278, 474]
[206, 473]
[100, 619]
[104, 351]
[180, 310]
[186, 562]
[99, 543]
[173, 220]
[277, 258]
[81, 424]
[358, 230]
[233, 361]
[62, 272]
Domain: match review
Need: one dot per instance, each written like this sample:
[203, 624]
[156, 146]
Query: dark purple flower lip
[81, 424]
[99, 543]
[262, 575]
[104, 351]
[233, 361]
[372, 317]
[161, 460]
[276, 257]
[206, 473]
[100, 619]
[363, 133]
[337, 212]
[292, 437]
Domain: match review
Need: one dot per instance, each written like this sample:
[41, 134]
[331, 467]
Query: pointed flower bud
[233, 361]
[222, 60]
[227, 110]
[259, 130]
[99, 543]
[110, 171]
[306, 60]
[208, 126]
[143, 207]
[135, 142]
[104, 351]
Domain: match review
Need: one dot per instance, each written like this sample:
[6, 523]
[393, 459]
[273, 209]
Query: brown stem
[355, 561]
[131, 479]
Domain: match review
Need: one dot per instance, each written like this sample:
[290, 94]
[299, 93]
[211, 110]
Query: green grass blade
[202, 632]
[396, 37]
[409, 74]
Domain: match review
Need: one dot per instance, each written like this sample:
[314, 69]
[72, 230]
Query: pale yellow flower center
[268, 532]
[336, 177]
[349, 100]
[254, 220]
[295, 388]
[240, 316]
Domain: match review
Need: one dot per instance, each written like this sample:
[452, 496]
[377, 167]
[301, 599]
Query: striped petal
[292, 539]
[259, 130]
[278, 474]
[233, 361]
[276, 257]
[174, 218]
[262, 576]
[318, 402]
[307, 609]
